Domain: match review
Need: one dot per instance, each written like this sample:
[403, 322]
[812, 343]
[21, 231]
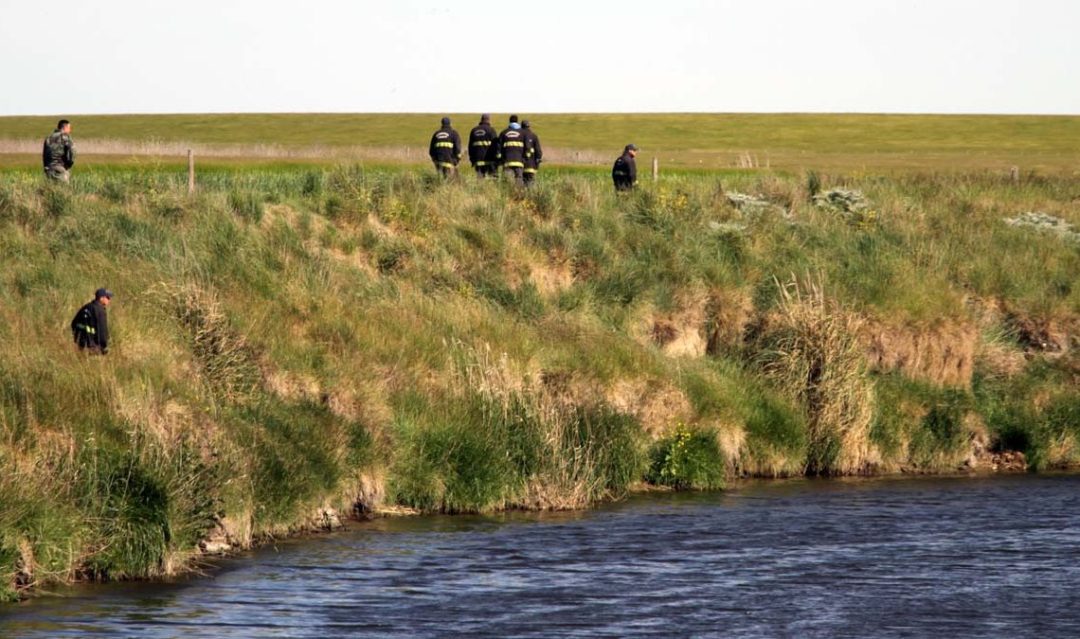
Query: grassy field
[299, 341]
[791, 142]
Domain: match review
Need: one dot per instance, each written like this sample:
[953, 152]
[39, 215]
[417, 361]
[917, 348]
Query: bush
[687, 459]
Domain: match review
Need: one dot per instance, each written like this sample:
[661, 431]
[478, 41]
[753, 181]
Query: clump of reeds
[226, 360]
[811, 350]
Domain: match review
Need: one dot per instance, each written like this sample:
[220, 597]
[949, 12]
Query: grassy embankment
[823, 142]
[291, 344]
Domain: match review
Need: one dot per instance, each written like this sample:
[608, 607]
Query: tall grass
[292, 341]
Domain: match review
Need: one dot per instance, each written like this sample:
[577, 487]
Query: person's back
[90, 326]
[482, 150]
[58, 152]
[534, 154]
[445, 149]
[511, 150]
[624, 172]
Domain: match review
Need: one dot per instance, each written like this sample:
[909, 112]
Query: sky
[233, 56]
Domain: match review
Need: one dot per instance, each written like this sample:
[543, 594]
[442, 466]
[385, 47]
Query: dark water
[995, 557]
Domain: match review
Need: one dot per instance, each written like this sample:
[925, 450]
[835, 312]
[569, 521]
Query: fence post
[1014, 174]
[190, 172]
[655, 169]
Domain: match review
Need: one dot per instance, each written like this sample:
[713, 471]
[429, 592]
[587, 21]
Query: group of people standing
[516, 150]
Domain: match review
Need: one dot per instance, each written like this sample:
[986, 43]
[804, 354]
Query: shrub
[688, 458]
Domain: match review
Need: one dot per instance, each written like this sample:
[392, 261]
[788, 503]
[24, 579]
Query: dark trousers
[515, 173]
[447, 172]
[486, 170]
[529, 176]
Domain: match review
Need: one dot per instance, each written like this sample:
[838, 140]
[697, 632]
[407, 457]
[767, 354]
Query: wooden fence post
[190, 172]
[1014, 174]
[655, 169]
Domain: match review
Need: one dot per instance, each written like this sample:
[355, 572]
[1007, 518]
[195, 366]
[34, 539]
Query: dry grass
[811, 349]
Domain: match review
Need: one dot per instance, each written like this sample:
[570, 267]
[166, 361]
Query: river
[903, 557]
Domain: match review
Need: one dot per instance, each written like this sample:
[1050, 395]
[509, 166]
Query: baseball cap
[103, 292]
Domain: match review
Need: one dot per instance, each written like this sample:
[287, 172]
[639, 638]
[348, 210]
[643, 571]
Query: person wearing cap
[533, 153]
[624, 173]
[58, 153]
[510, 151]
[482, 140]
[445, 149]
[90, 327]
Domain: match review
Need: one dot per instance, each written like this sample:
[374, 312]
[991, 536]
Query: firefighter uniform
[482, 149]
[624, 173]
[533, 153]
[445, 149]
[90, 326]
[511, 151]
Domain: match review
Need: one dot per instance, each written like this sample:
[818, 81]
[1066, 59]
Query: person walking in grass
[445, 149]
[90, 327]
[533, 153]
[510, 151]
[624, 173]
[482, 140]
[58, 153]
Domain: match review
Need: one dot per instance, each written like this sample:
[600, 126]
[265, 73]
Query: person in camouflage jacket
[58, 152]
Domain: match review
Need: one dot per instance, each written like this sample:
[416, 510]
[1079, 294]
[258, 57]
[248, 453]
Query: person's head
[525, 124]
[103, 295]
[631, 149]
[446, 121]
[63, 126]
[513, 119]
[485, 118]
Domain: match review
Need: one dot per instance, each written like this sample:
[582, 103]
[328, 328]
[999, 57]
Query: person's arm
[632, 166]
[69, 152]
[45, 156]
[457, 147]
[431, 149]
[538, 150]
[102, 329]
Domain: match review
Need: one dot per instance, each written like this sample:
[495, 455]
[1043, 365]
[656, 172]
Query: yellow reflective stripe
[481, 143]
[514, 164]
[446, 165]
[481, 163]
[530, 170]
[448, 145]
[88, 329]
[512, 143]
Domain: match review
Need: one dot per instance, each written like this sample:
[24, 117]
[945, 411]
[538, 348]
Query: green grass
[832, 142]
[296, 338]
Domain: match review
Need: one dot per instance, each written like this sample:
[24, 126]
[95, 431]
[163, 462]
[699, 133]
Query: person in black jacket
[445, 149]
[510, 151]
[482, 149]
[533, 153]
[90, 327]
[624, 173]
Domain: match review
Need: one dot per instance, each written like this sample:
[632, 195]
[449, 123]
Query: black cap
[525, 123]
[631, 147]
[102, 292]
[513, 118]
[446, 121]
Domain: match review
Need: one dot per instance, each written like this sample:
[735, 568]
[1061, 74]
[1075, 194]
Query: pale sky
[893, 56]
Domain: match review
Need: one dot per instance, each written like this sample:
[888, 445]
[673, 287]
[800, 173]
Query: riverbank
[295, 345]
